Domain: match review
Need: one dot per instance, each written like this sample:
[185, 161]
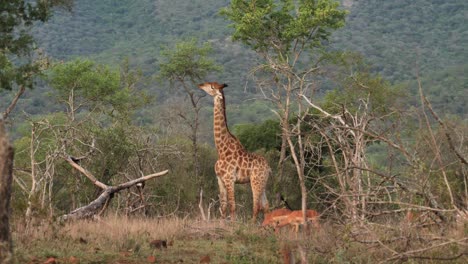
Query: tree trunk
[6, 176]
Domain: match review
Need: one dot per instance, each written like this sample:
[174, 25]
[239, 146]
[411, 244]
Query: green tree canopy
[267, 25]
[17, 43]
[187, 61]
[85, 85]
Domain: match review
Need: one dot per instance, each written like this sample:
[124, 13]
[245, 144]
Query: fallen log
[100, 204]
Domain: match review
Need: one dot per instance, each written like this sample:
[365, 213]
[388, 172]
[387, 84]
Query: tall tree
[6, 175]
[289, 36]
[185, 66]
[99, 102]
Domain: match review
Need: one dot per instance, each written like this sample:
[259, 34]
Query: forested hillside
[400, 36]
[397, 38]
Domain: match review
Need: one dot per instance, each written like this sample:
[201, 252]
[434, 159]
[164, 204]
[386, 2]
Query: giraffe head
[212, 88]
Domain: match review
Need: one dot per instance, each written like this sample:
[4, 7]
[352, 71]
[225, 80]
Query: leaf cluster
[266, 135]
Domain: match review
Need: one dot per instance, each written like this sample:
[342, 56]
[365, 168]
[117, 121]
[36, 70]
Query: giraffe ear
[224, 85]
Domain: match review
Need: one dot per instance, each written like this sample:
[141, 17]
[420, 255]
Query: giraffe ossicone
[235, 164]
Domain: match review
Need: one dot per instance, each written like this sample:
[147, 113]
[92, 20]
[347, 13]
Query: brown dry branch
[442, 124]
[435, 147]
[86, 173]
[412, 253]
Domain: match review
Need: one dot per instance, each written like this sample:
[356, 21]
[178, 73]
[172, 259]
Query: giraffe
[235, 164]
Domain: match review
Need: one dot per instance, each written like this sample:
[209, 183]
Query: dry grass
[121, 229]
[126, 240]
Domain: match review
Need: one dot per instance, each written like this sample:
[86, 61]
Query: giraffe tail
[264, 203]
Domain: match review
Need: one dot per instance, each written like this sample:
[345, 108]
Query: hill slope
[395, 36]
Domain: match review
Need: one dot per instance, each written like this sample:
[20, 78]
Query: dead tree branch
[96, 206]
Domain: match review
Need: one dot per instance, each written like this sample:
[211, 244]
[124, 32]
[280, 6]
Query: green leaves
[16, 42]
[91, 82]
[187, 60]
[276, 25]
[83, 84]
[263, 136]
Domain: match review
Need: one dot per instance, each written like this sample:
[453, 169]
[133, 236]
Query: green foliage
[387, 34]
[187, 61]
[401, 37]
[283, 24]
[116, 148]
[266, 135]
[445, 89]
[247, 111]
[92, 86]
[87, 81]
[16, 41]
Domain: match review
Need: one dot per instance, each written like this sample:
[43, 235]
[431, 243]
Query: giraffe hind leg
[265, 204]
[256, 203]
[231, 199]
[260, 201]
[222, 197]
[261, 191]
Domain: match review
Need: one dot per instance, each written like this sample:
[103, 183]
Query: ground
[117, 239]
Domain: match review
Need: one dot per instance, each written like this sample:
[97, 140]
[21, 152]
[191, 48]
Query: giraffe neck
[221, 130]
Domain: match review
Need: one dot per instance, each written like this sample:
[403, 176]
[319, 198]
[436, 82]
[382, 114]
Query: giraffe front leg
[222, 197]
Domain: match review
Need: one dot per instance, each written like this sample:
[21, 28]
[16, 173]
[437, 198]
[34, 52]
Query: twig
[445, 128]
[407, 254]
[436, 148]
[200, 205]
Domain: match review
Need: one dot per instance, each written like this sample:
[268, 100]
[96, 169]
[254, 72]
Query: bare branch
[12, 105]
[86, 173]
[436, 148]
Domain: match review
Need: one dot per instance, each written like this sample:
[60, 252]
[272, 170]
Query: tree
[6, 176]
[99, 104]
[18, 63]
[185, 66]
[289, 36]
